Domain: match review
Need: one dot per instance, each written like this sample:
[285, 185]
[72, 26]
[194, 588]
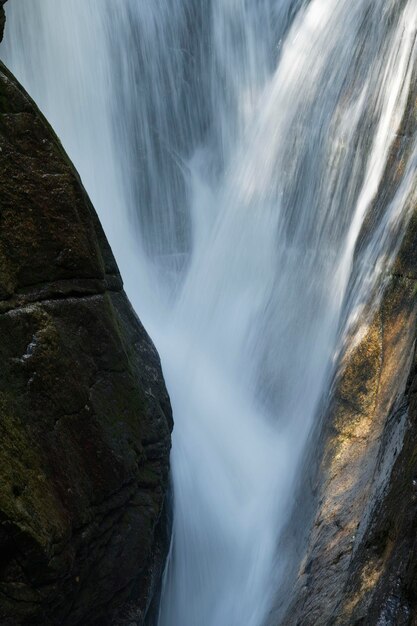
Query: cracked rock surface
[85, 418]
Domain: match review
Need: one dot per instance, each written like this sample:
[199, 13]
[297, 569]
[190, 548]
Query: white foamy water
[233, 151]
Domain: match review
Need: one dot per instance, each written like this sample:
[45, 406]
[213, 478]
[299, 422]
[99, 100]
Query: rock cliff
[85, 418]
[2, 18]
[358, 563]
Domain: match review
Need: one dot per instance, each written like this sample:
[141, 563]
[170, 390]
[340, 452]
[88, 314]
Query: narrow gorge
[253, 165]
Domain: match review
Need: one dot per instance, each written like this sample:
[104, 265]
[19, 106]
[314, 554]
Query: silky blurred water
[233, 151]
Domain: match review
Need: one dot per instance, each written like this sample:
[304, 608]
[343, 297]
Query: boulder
[85, 418]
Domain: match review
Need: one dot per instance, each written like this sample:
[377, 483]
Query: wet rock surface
[85, 418]
[357, 564]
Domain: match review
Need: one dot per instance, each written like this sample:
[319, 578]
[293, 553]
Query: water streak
[233, 151]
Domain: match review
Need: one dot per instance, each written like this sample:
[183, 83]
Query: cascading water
[233, 150]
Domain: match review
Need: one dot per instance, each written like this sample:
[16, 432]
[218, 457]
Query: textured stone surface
[358, 564]
[85, 418]
[2, 18]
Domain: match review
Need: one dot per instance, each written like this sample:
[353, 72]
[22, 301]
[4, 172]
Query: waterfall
[233, 151]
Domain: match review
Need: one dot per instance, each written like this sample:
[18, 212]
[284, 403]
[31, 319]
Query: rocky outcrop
[361, 440]
[2, 18]
[358, 565]
[85, 418]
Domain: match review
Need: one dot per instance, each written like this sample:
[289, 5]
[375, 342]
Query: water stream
[233, 150]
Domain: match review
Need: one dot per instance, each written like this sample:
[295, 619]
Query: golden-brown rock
[357, 564]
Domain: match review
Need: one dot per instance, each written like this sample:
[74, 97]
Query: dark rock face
[2, 18]
[85, 418]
